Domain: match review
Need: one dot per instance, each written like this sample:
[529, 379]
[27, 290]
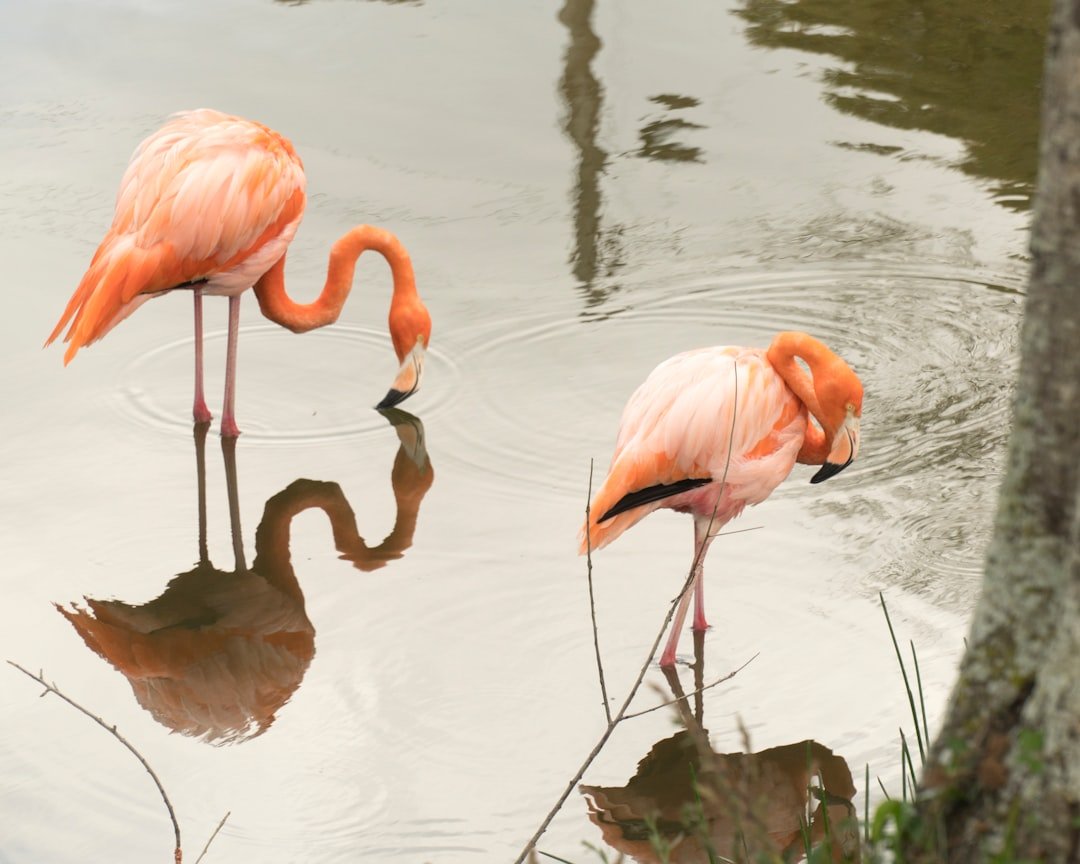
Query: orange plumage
[713, 430]
[210, 203]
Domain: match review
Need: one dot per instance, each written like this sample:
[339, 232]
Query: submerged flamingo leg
[200, 412]
[229, 429]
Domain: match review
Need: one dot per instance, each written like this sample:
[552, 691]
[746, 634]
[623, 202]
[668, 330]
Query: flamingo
[210, 203]
[712, 430]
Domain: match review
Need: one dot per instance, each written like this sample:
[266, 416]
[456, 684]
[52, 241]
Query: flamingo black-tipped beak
[393, 397]
[407, 381]
[827, 470]
[844, 450]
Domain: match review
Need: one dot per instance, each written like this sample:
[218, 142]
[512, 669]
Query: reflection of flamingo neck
[272, 557]
[301, 317]
[272, 538]
[410, 484]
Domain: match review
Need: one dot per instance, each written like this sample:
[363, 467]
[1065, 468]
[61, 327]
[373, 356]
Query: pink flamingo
[210, 203]
[712, 430]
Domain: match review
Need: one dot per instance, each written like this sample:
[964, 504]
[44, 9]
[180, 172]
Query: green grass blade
[907, 683]
[922, 701]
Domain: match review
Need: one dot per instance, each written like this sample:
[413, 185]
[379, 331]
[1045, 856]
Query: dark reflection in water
[584, 97]
[657, 136]
[598, 251]
[220, 652]
[687, 803]
[968, 69]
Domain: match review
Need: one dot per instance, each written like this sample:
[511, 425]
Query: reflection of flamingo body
[713, 430]
[219, 653]
[742, 800]
[211, 202]
[707, 806]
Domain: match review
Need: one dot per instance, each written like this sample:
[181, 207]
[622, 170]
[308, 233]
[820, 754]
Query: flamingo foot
[229, 429]
[667, 659]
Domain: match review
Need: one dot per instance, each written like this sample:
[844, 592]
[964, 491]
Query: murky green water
[383, 625]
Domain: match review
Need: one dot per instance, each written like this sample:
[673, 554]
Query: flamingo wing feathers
[201, 195]
[715, 413]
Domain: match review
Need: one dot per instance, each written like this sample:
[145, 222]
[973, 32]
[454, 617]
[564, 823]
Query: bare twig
[740, 530]
[621, 713]
[212, 836]
[52, 688]
[686, 696]
[592, 601]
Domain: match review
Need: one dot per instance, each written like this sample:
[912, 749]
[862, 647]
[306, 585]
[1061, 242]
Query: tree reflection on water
[968, 70]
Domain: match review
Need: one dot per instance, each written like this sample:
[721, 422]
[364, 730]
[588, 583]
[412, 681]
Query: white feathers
[706, 410]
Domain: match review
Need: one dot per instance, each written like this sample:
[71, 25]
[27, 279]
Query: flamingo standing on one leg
[210, 203]
[712, 430]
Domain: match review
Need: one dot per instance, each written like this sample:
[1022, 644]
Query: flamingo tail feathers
[120, 278]
[637, 485]
[652, 493]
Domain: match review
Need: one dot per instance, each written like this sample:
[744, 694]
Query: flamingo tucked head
[410, 331]
[831, 392]
[840, 395]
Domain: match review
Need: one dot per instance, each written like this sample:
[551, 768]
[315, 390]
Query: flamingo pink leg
[699, 605]
[702, 538]
[229, 429]
[200, 412]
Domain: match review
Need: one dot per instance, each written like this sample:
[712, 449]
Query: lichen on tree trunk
[1003, 776]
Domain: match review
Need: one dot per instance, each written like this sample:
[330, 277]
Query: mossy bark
[1003, 777]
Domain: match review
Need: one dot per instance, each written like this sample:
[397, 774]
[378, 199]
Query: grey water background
[585, 190]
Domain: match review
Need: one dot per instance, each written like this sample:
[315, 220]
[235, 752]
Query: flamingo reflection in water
[704, 806]
[219, 653]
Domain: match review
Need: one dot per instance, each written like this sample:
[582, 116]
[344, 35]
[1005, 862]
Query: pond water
[368, 637]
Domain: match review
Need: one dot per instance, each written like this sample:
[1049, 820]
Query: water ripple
[934, 350]
[290, 392]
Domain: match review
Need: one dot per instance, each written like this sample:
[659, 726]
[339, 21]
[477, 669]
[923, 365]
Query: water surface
[585, 191]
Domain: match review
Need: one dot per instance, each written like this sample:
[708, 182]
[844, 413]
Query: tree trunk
[1003, 776]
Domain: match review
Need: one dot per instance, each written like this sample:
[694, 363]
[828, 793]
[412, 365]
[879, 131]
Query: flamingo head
[840, 395]
[410, 330]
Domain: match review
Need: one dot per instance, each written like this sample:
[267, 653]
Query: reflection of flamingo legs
[692, 722]
[228, 451]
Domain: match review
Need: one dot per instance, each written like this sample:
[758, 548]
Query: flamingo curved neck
[276, 305]
[782, 354]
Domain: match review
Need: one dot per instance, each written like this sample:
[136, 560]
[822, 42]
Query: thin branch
[220, 825]
[686, 696]
[52, 688]
[652, 651]
[592, 601]
[554, 857]
[739, 531]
